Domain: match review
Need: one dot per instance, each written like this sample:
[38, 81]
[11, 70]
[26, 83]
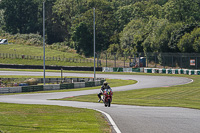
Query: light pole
[94, 47]
[44, 40]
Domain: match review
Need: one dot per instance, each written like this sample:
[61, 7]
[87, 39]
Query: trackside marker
[111, 121]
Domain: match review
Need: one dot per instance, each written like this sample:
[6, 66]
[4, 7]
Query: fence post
[155, 60]
[97, 60]
[61, 74]
[115, 59]
[196, 63]
[147, 59]
[181, 61]
[106, 59]
[138, 59]
[124, 61]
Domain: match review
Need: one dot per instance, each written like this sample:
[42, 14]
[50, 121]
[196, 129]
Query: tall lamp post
[44, 40]
[94, 47]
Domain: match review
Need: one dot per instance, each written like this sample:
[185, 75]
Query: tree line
[122, 26]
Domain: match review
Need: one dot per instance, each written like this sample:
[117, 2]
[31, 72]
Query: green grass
[50, 119]
[38, 51]
[35, 51]
[40, 118]
[40, 62]
[187, 96]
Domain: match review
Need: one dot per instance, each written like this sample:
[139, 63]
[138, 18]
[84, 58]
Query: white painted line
[111, 121]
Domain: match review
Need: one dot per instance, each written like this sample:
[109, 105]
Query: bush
[28, 39]
[31, 81]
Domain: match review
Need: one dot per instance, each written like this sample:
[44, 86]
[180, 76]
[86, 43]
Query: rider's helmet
[105, 83]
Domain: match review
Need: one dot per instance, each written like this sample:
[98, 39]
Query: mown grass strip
[39, 118]
[40, 62]
[50, 119]
[20, 49]
[187, 96]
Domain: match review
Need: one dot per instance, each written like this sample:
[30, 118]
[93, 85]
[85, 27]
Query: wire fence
[17, 56]
[159, 60]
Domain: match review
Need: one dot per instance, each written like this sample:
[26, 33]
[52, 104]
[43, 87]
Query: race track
[129, 119]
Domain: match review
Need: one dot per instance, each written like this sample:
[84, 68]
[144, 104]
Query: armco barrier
[135, 69]
[197, 72]
[51, 87]
[107, 69]
[191, 72]
[120, 69]
[15, 89]
[174, 71]
[89, 84]
[10, 90]
[117, 69]
[98, 83]
[155, 70]
[32, 88]
[79, 85]
[168, 71]
[185, 71]
[4, 90]
[180, 71]
[67, 86]
[147, 70]
[127, 70]
[25, 88]
[141, 69]
[162, 71]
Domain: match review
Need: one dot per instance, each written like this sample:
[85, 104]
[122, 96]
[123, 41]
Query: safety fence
[153, 70]
[59, 58]
[33, 88]
[152, 60]
[172, 71]
[121, 69]
[126, 60]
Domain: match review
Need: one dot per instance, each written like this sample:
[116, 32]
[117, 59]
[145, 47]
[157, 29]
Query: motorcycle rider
[103, 87]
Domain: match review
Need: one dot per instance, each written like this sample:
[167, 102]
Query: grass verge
[51, 119]
[40, 62]
[40, 118]
[187, 96]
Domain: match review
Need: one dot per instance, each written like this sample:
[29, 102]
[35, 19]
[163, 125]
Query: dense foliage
[122, 26]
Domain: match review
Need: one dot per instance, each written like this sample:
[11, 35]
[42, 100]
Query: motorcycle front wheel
[109, 102]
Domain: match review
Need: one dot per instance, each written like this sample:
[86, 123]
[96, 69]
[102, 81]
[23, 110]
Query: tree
[83, 40]
[182, 11]
[105, 25]
[133, 35]
[178, 33]
[123, 16]
[189, 42]
[21, 15]
[1, 19]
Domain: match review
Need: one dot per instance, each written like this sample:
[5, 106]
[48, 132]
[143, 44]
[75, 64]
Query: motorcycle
[107, 97]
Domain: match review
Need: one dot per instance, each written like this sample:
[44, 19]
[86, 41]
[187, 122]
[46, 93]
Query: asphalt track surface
[129, 119]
